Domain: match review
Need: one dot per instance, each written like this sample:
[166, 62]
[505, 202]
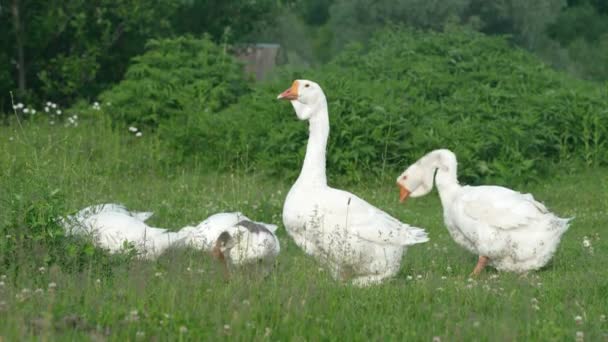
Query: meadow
[58, 288]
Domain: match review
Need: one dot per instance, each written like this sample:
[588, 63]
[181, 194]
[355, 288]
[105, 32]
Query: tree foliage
[75, 49]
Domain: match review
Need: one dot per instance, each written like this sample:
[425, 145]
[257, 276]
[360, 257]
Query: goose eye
[307, 85]
[404, 177]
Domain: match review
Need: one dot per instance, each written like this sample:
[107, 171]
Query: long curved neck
[313, 170]
[446, 177]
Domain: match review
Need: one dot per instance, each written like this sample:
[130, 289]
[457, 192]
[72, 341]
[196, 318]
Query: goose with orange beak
[356, 241]
[509, 230]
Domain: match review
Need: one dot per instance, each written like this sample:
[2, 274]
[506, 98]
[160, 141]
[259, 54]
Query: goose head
[415, 181]
[305, 96]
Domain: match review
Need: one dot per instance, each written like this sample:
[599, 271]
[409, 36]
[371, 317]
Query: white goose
[507, 229]
[231, 237]
[113, 227]
[351, 237]
[235, 238]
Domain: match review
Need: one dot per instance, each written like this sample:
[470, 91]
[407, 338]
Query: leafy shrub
[506, 115]
[178, 77]
[172, 85]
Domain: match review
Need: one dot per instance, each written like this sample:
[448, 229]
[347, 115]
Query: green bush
[176, 78]
[506, 115]
[173, 86]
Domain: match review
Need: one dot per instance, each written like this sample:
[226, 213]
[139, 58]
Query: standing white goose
[507, 229]
[351, 237]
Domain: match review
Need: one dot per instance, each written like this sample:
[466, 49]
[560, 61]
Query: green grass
[48, 171]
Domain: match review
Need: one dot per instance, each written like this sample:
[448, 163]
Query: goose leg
[481, 263]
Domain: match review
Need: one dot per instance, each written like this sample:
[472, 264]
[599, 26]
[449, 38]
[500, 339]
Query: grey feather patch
[224, 238]
[253, 227]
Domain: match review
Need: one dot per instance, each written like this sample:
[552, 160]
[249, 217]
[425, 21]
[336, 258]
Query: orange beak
[291, 93]
[403, 193]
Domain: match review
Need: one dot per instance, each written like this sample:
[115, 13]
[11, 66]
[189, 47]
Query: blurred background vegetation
[514, 86]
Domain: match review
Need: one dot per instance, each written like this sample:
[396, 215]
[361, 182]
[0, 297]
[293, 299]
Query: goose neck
[313, 170]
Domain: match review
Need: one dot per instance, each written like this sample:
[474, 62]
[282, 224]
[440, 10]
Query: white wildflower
[19, 105]
[133, 129]
[46, 109]
[1, 284]
[41, 269]
[578, 320]
[444, 277]
[58, 112]
[39, 291]
[33, 111]
[586, 242]
[580, 336]
[26, 110]
[52, 286]
[436, 339]
[183, 329]
[53, 105]
[138, 134]
[602, 318]
[409, 277]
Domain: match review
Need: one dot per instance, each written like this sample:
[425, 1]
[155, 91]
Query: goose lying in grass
[507, 229]
[231, 237]
[113, 227]
[235, 239]
[351, 237]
